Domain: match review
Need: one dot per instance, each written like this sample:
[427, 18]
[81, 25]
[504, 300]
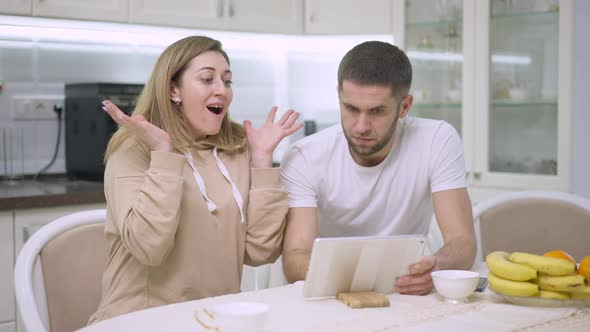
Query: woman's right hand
[155, 138]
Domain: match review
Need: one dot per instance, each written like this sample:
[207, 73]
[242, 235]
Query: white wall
[30, 68]
[296, 72]
[581, 116]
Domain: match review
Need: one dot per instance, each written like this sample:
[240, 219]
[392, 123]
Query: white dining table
[290, 312]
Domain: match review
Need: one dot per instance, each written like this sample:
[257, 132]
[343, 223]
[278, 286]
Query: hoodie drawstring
[236, 193]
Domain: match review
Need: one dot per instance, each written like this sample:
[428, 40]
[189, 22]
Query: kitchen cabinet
[500, 72]
[264, 16]
[18, 7]
[348, 17]
[7, 327]
[6, 267]
[256, 15]
[268, 16]
[105, 10]
[199, 13]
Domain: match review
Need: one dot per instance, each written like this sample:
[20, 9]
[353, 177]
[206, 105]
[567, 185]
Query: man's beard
[378, 146]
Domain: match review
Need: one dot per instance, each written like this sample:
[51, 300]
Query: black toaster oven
[88, 128]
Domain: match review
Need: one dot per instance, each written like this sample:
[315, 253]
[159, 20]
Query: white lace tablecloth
[291, 313]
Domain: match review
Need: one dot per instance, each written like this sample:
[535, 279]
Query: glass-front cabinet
[500, 71]
[434, 43]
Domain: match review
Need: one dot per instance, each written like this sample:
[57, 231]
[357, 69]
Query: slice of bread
[363, 299]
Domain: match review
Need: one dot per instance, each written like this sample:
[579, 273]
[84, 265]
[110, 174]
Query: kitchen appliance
[88, 128]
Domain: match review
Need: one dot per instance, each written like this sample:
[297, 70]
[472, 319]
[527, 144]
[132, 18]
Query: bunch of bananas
[522, 274]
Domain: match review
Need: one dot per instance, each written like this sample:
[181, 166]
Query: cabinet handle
[220, 8]
[231, 9]
[26, 230]
[313, 7]
[477, 175]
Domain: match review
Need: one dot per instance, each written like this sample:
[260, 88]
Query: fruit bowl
[532, 301]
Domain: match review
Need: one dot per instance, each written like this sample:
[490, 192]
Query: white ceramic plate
[541, 302]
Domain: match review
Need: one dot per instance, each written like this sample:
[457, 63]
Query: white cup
[234, 317]
[454, 95]
[519, 94]
[455, 286]
[549, 94]
[420, 96]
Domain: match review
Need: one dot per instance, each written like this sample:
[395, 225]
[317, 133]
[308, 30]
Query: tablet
[356, 264]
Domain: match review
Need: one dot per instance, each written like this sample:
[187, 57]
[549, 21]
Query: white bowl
[519, 95]
[455, 285]
[454, 95]
[420, 96]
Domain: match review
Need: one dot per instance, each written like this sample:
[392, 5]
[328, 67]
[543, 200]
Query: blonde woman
[191, 195]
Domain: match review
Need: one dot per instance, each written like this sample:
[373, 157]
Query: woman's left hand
[264, 140]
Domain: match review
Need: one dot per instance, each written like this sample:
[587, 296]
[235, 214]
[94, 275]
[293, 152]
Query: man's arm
[452, 209]
[300, 232]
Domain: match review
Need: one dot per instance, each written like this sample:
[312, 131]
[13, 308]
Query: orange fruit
[560, 254]
[584, 268]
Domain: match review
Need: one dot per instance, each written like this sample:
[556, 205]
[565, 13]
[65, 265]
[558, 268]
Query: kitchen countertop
[48, 192]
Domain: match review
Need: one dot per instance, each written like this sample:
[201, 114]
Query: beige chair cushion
[536, 225]
[73, 263]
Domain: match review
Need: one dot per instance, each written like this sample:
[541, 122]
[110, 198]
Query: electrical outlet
[35, 107]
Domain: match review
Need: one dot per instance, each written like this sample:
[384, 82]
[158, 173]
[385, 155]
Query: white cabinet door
[523, 94]
[348, 16]
[7, 327]
[255, 15]
[284, 16]
[103, 10]
[6, 267]
[19, 7]
[187, 13]
[509, 66]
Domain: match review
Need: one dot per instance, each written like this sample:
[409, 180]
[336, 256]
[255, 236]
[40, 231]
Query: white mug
[233, 317]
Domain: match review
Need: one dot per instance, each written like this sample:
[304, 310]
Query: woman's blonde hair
[156, 105]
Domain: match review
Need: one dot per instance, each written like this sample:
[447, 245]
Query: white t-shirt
[394, 197]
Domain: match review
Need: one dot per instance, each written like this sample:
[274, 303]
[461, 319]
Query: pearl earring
[177, 101]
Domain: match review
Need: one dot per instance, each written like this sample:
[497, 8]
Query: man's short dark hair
[377, 63]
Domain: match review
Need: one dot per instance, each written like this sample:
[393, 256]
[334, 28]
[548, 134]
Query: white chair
[57, 276]
[534, 222]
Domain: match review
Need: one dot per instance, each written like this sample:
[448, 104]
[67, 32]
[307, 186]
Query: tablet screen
[351, 264]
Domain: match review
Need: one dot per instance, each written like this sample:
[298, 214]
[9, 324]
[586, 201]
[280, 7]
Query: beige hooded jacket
[165, 244]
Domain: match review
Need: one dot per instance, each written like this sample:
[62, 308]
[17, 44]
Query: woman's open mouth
[215, 108]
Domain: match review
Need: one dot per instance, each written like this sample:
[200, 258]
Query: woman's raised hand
[155, 138]
[264, 140]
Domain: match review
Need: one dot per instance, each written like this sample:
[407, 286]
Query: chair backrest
[534, 222]
[58, 272]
